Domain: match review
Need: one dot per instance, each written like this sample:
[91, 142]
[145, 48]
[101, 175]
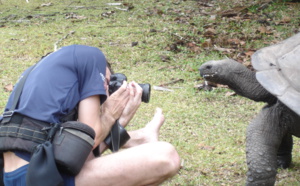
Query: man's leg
[146, 161]
[146, 164]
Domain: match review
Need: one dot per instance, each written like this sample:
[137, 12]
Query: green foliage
[207, 128]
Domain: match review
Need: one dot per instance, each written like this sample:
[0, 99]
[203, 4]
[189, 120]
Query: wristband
[117, 138]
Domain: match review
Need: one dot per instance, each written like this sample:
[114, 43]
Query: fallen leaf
[165, 58]
[134, 44]
[174, 81]
[205, 147]
[264, 30]
[159, 12]
[153, 30]
[207, 43]
[46, 4]
[233, 12]
[182, 163]
[8, 87]
[284, 20]
[189, 69]
[190, 44]
[195, 49]
[205, 4]
[173, 47]
[114, 4]
[247, 64]
[249, 53]
[212, 17]
[230, 94]
[210, 32]
[74, 16]
[228, 50]
[107, 14]
[222, 86]
[234, 41]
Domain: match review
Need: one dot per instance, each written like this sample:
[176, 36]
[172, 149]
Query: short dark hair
[109, 67]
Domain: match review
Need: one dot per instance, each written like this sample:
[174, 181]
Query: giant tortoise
[276, 81]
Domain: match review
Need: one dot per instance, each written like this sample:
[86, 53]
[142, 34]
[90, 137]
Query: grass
[207, 128]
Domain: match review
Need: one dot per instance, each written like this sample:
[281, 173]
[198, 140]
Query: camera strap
[18, 90]
[117, 137]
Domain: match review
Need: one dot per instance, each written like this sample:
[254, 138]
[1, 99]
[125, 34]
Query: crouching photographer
[63, 115]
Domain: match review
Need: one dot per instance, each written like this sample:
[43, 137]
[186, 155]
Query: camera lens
[146, 92]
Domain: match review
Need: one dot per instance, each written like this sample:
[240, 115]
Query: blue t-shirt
[60, 81]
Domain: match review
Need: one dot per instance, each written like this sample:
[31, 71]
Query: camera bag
[72, 144]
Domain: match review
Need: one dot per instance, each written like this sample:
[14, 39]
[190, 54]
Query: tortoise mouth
[209, 75]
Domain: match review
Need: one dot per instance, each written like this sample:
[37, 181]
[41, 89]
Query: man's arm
[89, 113]
[102, 118]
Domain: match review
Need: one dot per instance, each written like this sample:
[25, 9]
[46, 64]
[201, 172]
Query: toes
[158, 116]
[157, 121]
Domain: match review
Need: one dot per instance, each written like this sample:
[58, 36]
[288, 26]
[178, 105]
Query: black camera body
[116, 81]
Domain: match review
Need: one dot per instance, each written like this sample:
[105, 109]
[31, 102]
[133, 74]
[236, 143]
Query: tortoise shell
[278, 70]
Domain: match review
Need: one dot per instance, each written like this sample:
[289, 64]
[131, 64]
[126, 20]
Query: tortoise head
[220, 71]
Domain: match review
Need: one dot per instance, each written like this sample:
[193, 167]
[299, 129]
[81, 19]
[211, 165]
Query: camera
[116, 81]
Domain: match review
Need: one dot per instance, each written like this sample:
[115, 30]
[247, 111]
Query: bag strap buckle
[7, 116]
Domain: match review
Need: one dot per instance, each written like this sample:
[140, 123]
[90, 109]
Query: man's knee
[167, 158]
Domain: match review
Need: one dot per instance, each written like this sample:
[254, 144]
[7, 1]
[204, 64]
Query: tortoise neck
[244, 83]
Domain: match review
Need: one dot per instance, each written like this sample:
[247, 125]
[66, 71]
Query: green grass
[207, 128]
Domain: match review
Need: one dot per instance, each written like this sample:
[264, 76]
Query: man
[77, 75]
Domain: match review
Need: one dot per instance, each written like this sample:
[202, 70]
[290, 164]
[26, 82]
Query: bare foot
[154, 125]
[149, 133]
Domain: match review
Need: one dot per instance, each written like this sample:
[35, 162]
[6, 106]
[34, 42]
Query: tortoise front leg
[264, 136]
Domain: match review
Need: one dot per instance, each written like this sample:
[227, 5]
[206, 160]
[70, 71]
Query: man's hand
[115, 104]
[133, 103]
